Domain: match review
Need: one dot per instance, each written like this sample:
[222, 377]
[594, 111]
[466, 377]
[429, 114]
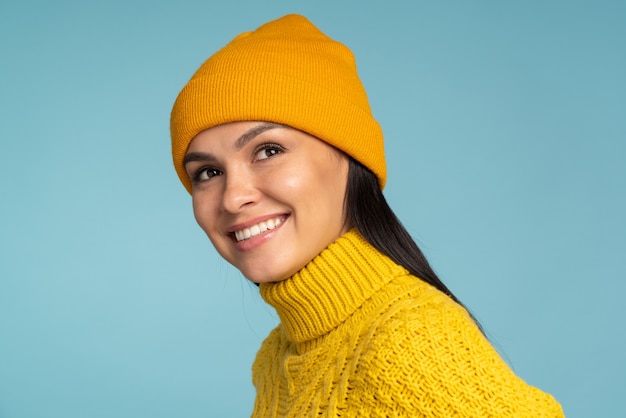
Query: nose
[240, 192]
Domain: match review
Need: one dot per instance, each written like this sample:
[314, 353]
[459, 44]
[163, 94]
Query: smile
[254, 230]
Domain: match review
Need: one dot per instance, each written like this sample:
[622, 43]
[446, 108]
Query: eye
[266, 151]
[204, 174]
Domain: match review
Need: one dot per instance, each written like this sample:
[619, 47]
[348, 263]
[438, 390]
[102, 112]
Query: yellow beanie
[288, 72]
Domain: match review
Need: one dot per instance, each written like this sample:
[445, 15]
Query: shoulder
[423, 328]
[412, 310]
[426, 352]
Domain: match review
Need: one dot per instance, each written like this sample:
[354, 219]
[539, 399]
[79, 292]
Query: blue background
[506, 142]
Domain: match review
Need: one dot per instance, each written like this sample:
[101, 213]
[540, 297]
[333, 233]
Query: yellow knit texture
[360, 337]
[288, 72]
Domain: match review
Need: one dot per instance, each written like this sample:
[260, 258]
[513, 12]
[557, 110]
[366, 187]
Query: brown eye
[205, 174]
[267, 151]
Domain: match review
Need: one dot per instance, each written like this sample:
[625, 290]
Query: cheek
[206, 217]
[295, 184]
[332, 177]
[203, 212]
[318, 186]
[292, 182]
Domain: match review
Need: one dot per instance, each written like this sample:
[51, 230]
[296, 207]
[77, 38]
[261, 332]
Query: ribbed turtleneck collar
[330, 287]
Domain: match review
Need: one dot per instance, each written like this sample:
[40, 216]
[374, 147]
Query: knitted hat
[286, 72]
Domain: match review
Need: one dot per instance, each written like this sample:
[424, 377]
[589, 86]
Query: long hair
[369, 213]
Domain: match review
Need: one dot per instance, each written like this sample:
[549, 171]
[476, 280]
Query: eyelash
[197, 176]
[268, 147]
[200, 172]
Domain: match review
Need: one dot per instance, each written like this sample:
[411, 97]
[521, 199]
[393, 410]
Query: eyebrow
[253, 132]
[241, 142]
[197, 156]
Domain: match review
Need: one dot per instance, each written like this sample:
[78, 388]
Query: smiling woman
[261, 192]
[274, 138]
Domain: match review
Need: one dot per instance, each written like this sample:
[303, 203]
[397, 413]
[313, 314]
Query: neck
[331, 287]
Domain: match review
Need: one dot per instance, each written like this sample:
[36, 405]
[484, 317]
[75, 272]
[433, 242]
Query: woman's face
[269, 197]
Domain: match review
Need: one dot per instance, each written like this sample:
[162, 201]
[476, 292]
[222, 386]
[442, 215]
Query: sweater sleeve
[433, 361]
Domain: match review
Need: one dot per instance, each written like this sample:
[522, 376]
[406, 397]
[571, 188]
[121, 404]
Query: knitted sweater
[360, 337]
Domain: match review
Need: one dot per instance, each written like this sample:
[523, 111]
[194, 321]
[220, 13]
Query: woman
[274, 138]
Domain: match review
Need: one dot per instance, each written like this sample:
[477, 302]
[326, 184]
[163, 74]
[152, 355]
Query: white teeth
[257, 229]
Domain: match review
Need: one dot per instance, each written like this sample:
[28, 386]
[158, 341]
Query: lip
[258, 240]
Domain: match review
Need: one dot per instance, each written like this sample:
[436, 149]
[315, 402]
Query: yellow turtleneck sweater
[360, 337]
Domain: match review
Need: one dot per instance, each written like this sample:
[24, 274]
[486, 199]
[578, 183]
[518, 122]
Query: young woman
[274, 139]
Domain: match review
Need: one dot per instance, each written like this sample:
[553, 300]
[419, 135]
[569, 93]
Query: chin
[259, 278]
